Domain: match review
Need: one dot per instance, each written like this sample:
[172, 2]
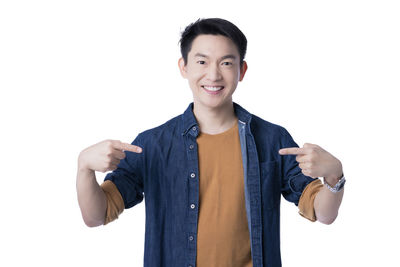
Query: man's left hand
[315, 162]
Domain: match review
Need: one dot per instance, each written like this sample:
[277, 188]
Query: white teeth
[213, 88]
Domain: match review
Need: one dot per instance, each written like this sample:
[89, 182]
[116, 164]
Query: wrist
[332, 180]
[83, 168]
[335, 173]
[82, 165]
[337, 186]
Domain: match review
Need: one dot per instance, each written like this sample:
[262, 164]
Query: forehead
[213, 46]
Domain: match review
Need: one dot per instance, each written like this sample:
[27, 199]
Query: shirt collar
[190, 122]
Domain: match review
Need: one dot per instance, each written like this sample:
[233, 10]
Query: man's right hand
[105, 155]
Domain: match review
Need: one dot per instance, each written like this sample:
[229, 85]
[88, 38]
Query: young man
[212, 177]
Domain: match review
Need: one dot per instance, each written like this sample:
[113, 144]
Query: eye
[229, 63]
[201, 61]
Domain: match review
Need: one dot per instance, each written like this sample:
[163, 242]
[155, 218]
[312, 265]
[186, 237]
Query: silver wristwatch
[338, 186]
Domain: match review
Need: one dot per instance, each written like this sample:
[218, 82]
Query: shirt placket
[193, 194]
[254, 190]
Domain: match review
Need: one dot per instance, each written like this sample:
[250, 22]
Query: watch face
[341, 184]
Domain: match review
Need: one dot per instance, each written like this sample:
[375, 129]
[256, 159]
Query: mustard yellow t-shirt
[223, 238]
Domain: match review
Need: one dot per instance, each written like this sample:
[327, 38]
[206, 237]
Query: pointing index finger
[129, 147]
[291, 151]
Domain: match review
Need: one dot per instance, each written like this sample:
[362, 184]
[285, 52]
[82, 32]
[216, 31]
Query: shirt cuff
[306, 202]
[115, 203]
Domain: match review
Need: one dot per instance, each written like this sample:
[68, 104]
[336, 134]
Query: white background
[73, 73]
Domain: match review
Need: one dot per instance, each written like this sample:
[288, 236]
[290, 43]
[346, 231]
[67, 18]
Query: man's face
[213, 70]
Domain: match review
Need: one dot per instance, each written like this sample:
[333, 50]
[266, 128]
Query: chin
[213, 104]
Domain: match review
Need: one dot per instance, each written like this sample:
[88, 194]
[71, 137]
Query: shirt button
[191, 146]
[192, 175]
[191, 238]
[190, 266]
[192, 206]
[194, 128]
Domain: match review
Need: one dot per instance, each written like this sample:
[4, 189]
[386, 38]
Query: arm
[326, 203]
[317, 162]
[92, 199]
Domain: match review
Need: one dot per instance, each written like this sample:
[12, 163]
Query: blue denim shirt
[166, 173]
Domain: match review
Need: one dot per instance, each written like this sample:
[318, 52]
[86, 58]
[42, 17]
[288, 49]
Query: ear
[243, 70]
[182, 67]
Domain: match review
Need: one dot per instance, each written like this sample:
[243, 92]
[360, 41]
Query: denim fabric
[166, 174]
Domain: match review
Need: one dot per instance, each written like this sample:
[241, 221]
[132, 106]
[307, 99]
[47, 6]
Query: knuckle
[109, 153]
[116, 142]
[108, 141]
[110, 145]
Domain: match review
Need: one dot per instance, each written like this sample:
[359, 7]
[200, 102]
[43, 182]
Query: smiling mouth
[213, 88]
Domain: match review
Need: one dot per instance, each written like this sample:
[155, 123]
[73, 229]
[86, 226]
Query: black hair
[214, 26]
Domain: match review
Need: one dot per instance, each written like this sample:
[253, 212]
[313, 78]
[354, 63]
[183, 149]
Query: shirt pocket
[270, 184]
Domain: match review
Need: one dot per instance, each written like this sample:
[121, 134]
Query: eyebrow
[222, 58]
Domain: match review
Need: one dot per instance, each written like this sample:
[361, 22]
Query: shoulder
[166, 129]
[263, 127]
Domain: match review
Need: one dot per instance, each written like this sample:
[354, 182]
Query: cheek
[232, 78]
[232, 74]
[195, 78]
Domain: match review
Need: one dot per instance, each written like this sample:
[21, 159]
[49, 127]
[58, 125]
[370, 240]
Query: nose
[213, 73]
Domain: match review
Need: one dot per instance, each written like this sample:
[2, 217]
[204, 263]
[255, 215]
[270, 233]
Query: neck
[214, 120]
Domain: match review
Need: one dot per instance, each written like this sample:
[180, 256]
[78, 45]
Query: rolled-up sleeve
[115, 203]
[293, 181]
[128, 177]
[306, 203]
